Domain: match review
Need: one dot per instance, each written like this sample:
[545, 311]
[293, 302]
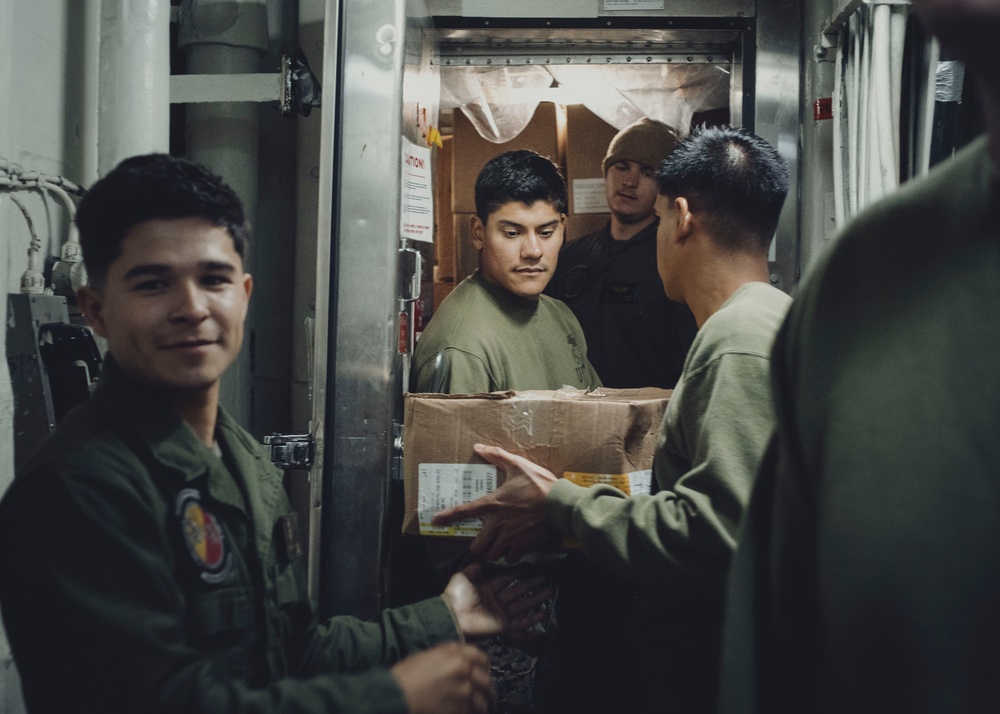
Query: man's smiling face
[173, 304]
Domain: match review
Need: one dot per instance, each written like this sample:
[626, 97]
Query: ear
[562, 226]
[248, 286]
[478, 232]
[685, 219]
[91, 304]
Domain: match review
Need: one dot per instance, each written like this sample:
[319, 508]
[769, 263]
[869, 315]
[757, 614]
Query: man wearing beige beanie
[636, 336]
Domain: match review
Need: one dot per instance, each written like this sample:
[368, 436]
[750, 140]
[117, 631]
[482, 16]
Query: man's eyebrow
[147, 269]
[218, 266]
[159, 269]
[505, 223]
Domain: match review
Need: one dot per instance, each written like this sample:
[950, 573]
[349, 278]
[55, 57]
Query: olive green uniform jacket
[867, 578]
[141, 572]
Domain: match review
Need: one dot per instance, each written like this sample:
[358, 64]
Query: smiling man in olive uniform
[149, 555]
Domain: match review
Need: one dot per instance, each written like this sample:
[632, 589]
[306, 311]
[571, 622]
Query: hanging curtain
[866, 100]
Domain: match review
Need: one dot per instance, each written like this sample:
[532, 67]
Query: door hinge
[397, 451]
[291, 451]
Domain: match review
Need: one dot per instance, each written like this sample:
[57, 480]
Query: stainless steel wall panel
[364, 151]
[777, 117]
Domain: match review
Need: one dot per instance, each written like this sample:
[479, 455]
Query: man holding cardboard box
[720, 195]
[496, 331]
[636, 336]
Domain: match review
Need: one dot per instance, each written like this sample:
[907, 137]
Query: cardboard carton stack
[587, 139]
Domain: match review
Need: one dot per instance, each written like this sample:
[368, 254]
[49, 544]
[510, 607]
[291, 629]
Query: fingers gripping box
[604, 436]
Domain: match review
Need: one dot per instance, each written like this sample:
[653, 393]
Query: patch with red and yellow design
[203, 537]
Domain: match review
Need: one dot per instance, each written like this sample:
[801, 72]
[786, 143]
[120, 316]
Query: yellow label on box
[631, 484]
[445, 485]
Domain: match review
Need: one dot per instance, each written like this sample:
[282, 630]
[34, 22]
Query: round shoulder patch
[203, 537]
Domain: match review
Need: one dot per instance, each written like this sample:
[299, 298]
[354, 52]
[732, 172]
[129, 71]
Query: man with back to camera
[636, 336]
[868, 574]
[720, 196]
[496, 331]
[149, 552]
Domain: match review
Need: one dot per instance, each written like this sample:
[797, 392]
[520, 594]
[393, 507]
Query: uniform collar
[142, 410]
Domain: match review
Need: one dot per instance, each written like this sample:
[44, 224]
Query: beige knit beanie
[646, 141]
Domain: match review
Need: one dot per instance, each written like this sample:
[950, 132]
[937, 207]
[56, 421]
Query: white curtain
[866, 106]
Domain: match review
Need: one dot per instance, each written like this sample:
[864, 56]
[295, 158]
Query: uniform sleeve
[94, 616]
[348, 644]
[593, 379]
[727, 418]
[453, 371]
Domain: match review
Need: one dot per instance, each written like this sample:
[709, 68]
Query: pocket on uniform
[221, 610]
[289, 583]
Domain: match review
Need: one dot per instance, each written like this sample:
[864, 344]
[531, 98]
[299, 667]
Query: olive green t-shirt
[678, 541]
[485, 339]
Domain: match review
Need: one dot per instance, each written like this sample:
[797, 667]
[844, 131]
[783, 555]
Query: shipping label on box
[607, 436]
[441, 486]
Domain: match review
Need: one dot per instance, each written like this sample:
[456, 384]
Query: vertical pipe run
[925, 117]
[228, 37]
[89, 141]
[134, 104]
[839, 196]
[881, 177]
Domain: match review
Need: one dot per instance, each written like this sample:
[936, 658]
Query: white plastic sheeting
[501, 101]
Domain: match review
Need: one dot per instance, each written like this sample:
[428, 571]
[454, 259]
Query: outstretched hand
[507, 602]
[447, 679]
[513, 514]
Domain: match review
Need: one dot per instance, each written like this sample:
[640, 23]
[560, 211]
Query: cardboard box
[470, 151]
[605, 436]
[444, 238]
[587, 139]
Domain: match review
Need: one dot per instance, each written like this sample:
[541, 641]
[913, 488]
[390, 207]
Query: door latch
[291, 451]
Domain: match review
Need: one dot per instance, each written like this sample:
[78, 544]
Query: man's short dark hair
[152, 186]
[734, 180]
[522, 176]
